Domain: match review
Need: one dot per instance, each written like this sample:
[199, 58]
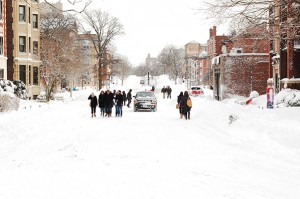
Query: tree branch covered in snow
[72, 5]
[102, 30]
[245, 13]
[173, 59]
[59, 55]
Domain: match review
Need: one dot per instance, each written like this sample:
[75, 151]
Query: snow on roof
[193, 42]
[245, 54]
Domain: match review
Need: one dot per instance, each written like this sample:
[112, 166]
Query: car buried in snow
[145, 100]
[196, 91]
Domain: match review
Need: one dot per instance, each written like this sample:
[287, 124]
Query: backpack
[189, 102]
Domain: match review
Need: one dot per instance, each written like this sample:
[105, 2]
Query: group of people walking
[166, 90]
[184, 104]
[107, 100]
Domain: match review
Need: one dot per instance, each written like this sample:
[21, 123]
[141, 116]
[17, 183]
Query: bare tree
[58, 52]
[122, 68]
[105, 29]
[141, 70]
[173, 59]
[71, 4]
[245, 13]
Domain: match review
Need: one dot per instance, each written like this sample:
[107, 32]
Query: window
[35, 75]
[35, 47]
[29, 74]
[1, 45]
[1, 73]
[22, 73]
[29, 13]
[35, 21]
[1, 10]
[22, 44]
[297, 42]
[29, 44]
[22, 13]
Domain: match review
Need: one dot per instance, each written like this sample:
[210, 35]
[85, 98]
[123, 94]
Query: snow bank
[288, 97]
[8, 102]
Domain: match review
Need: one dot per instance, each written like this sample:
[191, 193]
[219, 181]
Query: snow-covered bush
[20, 89]
[41, 96]
[288, 97]
[7, 86]
[17, 87]
[8, 102]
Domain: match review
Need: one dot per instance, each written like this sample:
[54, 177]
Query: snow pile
[288, 97]
[65, 153]
[8, 102]
[254, 94]
[9, 93]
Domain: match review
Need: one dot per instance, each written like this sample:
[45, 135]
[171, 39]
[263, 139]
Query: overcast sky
[151, 25]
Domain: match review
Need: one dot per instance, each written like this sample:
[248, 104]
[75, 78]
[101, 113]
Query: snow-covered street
[57, 151]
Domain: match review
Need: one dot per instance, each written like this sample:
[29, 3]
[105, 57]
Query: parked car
[196, 91]
[144, 100]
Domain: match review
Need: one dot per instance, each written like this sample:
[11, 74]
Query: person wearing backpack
[179, 98]
[186, 105]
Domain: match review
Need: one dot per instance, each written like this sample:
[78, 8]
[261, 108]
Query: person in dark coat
[153, 88]
[119, 104]
[108, 102]
[164, 90]
[101, 103]
[124, 97]
[169, 91]
[129, 98]
[183, 104]
[179, 98]
[93, 104]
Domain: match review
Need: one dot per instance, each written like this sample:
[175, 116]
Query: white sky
[151, 25]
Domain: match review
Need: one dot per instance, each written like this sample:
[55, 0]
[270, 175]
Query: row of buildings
[19, 43]
[242, 63]
[21, 47]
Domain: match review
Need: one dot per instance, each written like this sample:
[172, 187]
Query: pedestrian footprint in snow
[232, 118]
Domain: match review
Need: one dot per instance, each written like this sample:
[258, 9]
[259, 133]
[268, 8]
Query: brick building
[195, 63]
[214, 48]
[240, 74]
[285, 44]
[151, 62]
[244, 65]
[3, 53]
[88, 60]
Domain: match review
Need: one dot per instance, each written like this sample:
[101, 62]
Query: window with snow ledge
[297, 43]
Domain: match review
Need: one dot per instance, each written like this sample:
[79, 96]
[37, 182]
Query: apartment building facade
[23, 44]
[195, 63]
[214, 49]
[88, 60]
[243, 65]
[285, 44]
[3, 53]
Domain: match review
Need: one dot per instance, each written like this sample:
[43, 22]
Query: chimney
[215, 30]
[210, 33]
